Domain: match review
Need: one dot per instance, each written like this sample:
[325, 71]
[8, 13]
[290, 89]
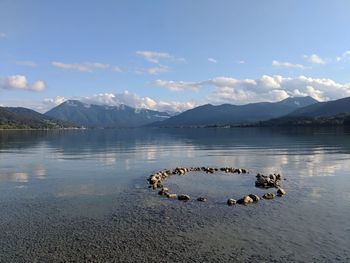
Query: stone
[254, 197]
[153, 180]
[171, 195]
[281, 192]
[163, 191]
[201, 199]
[272, 177]
[183, 197]
[231, 202]
[267, 181]
[269, 196]
[245, 200]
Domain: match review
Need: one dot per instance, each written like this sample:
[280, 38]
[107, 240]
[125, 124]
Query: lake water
[82, 196]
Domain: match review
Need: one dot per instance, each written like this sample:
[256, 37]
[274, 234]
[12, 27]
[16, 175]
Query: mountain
[23, 118]
[336, 112]
[227, 114]
[329, 108]
[90, 115]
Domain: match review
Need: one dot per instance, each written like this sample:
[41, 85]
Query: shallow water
[82, 196]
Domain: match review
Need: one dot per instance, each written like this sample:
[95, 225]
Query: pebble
[269, 196]
[183, 197]
[231, 202]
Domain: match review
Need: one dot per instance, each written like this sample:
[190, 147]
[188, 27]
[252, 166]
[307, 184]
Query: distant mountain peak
[299, 101]
[95, 115]
[227, 114]
[300, 98]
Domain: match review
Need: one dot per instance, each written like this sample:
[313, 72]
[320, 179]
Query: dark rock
[183, 197]
[267, 181]
[269, 196]
[201, 199]
[254, 197]
[281, 192]
[163, 191]
[231, 202]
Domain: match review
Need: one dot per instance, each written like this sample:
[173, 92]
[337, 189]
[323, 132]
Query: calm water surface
[82, 196]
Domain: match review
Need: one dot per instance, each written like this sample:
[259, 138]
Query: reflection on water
[307, 152]
[65, 175]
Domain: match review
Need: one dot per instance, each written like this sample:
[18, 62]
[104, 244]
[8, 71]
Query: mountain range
[288, 112]
[94, 116]
[23, 118]
[336, 112]
[228, 114]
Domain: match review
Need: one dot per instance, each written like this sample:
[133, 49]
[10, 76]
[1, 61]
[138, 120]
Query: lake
[82, 196]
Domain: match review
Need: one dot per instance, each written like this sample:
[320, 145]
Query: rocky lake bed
[83, 196]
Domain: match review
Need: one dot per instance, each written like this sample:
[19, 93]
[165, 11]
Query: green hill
[23, 118]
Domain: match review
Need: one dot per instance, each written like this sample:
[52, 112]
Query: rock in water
[245, 200]
[231, 202]
[269, 196]
[281, 192]
[171, 195]
[201, 199]
[254, 197]
[183, 197]
[163, 191]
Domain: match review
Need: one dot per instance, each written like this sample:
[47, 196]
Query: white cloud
[54, 101]
[27, 63]
[20, 82]
[153, 57]
[315, 59]
[177, 85]
[3, 35]
[212, 60]
[275, 88]
[156, 70]
[281, 64]
[344, 56]
[265, 88]
[156, 57]
[240, 62]
[85, 67]
[38, 85]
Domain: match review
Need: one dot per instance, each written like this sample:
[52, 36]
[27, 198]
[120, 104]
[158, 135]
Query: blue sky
[172, 55]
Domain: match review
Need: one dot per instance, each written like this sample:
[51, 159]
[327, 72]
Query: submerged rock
[171, 195]
[231, 202]
[269, 196]
[183, 197]
[281, 192]
[245, 200]
[267, 181]
[201, 199]
[163, 191]
[254, 197]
